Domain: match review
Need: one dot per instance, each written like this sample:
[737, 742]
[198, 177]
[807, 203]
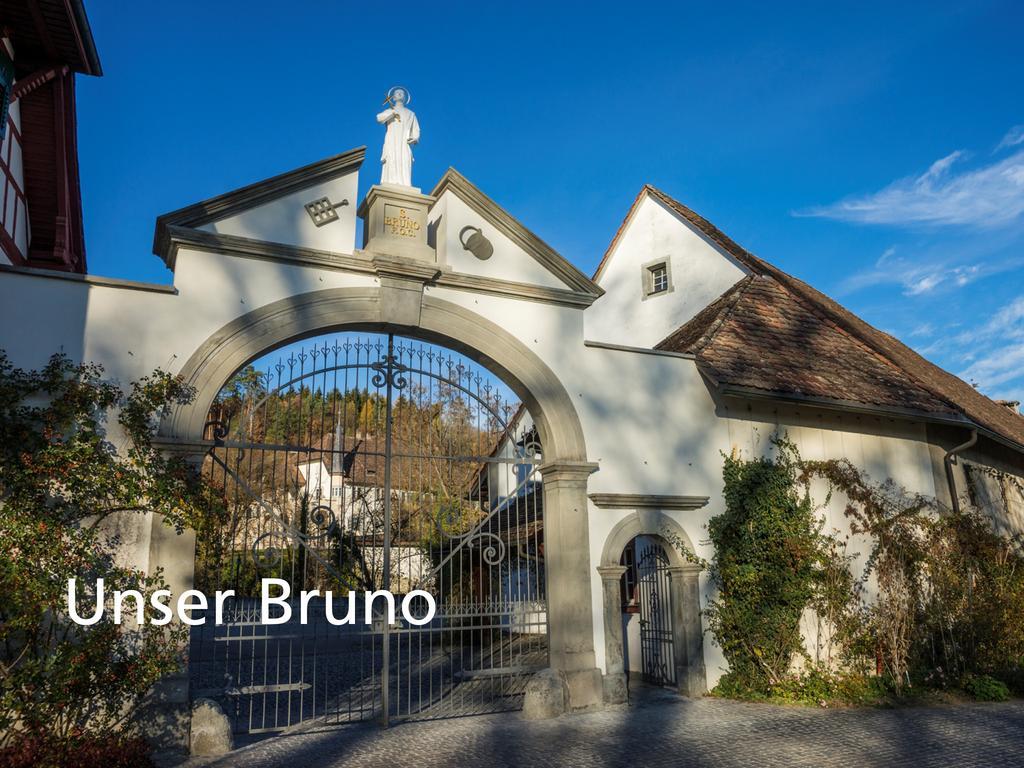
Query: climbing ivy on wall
[937, 604]
[769, 553]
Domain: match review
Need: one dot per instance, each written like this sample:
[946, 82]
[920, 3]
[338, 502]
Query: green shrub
[946, 602]
[769, 560]
[60, 478]
[816, 686]
[985, 688]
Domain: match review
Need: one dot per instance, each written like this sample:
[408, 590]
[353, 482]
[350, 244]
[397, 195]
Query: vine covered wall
[934, 604]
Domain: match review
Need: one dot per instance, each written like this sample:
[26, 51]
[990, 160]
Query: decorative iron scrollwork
[265, 554]
[492, 553]
[388, 370]
[321, 516]
[218, 430]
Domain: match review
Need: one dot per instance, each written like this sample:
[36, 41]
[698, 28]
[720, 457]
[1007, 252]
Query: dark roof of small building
[774, 333]
[49, 32]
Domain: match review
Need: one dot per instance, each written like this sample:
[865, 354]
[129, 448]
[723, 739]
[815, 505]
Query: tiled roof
[775, 333]
[760, 336]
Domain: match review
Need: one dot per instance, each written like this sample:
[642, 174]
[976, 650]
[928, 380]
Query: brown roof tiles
[775, 333]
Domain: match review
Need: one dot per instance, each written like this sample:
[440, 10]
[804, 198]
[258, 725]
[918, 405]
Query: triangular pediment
[273, 210]
[519, 257]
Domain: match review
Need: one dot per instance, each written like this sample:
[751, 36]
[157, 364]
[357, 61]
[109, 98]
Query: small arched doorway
[651, 599]
[647, 631]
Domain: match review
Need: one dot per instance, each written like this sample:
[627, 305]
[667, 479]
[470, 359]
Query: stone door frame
[687, 627]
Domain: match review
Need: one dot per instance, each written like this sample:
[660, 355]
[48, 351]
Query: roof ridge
[727, 310]
[734, 249]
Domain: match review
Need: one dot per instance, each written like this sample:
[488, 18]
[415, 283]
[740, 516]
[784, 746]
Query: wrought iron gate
[368, 464]
[657, 652]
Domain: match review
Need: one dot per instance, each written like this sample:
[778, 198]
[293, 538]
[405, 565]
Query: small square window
[657, 278]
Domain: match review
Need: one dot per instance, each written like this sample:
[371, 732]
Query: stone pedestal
[395, 222]
[211, 730]
[546, 695]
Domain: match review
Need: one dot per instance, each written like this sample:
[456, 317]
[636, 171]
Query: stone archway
[402, 305]
[688, 637]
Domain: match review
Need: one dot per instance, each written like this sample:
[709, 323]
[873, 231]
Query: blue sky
[875, 150]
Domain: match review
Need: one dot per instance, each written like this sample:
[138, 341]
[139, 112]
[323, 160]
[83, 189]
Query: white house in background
[345, 478]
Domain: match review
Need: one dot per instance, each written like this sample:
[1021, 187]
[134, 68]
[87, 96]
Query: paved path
[666, 731]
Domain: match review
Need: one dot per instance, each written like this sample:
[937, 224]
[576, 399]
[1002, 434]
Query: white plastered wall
[285, 220]
[700, 273]
[132, 332]
[450, 215]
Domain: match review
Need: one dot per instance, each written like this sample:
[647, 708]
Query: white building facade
[633, 425]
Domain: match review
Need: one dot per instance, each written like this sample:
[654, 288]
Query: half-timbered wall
[14, 223]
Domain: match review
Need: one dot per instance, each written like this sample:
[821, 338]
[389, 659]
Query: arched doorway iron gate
[370, 463]
[657, 646]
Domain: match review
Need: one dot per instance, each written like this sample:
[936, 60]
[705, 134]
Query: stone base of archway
[616, 688]
[554, 692]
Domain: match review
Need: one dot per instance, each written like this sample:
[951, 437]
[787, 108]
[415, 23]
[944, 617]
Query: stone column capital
[567, 471]
[611, 572]
[192, 451]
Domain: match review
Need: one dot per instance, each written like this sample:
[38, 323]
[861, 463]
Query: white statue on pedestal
[403, 131]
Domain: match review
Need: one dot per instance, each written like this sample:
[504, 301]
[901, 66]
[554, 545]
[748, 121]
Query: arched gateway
[367, 492]
[379, 461]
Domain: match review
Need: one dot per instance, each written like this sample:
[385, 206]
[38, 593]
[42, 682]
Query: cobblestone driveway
[667, 731]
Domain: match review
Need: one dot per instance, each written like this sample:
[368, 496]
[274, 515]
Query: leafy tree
[64, 489]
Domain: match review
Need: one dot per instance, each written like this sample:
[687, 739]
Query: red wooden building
[44, 44]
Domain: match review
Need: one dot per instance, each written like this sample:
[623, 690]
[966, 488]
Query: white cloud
[992, 354]
[1013, 137]
[1007, 323]
[919, 276]
[997, 367]
[991, 195]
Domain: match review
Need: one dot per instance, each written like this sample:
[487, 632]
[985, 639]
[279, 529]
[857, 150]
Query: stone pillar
[615, 688]
[567, 562]
[165, 714]
[687, 630]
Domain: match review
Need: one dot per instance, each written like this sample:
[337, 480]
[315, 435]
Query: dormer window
[657, 278]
